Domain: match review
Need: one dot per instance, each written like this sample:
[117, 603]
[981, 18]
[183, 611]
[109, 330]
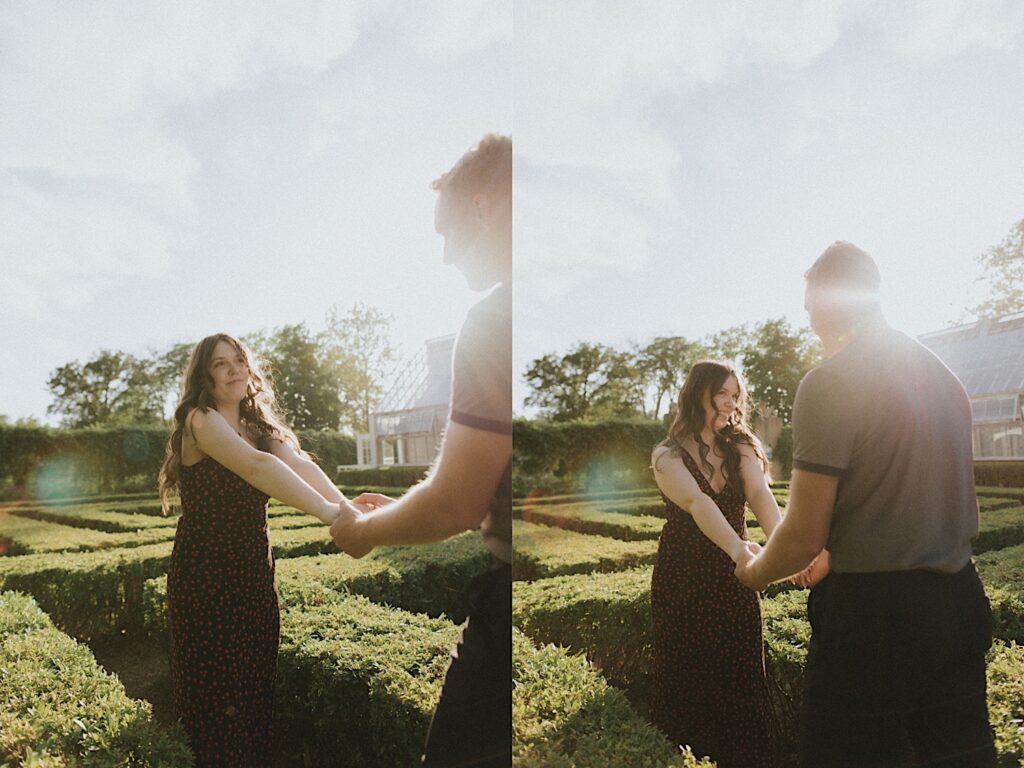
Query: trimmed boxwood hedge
[94, 594]
[1005, 668]
[539, 551]
[26, 536]
[564, 715]
[357, 682]
[59, 708]
[607, 618]
[1000, 527]
[431, 579]
[355, 678]
[1003, 474]
[586, 519]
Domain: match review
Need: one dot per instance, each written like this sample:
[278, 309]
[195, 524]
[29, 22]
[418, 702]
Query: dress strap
[700, 477]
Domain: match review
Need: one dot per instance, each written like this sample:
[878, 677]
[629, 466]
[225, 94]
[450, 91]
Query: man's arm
[454, 498]
[800, 536]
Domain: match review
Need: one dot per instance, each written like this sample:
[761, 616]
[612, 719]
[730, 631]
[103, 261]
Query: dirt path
[142, 665]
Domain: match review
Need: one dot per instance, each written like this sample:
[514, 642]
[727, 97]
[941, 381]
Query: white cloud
[448, 29]
[926, 31]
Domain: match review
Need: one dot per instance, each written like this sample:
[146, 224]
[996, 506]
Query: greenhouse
[988, 358]
[407, 425]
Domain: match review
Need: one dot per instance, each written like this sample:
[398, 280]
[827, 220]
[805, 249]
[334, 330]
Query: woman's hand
[813, 573]
[746, 551]
[371, 501]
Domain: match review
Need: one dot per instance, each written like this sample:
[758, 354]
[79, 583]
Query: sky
[690, 160]
[170, 170]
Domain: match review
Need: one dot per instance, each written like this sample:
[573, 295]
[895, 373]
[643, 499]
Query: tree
[590, 381]
[1004, 273]
[168, 368]
[304, 380]
[730, 345]
[664, 363]
[112, 388]
[624, 387]
[361, 354]
[774, 361]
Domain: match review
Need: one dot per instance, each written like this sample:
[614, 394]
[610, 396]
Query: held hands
[813, 573]
[348, 529]
[745, 559]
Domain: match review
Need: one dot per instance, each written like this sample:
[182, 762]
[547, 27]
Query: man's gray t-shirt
[482, 398]
[893, 423]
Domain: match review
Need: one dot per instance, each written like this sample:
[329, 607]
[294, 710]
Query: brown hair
[486, 167]
[707, 377]
[259, 413]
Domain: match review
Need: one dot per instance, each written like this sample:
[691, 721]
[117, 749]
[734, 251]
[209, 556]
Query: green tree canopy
[304, 380]
[111, 388]
[594, 381]
[568, 387]
[775, 359]
[664, 363]
[361, 354]
[1004, 275]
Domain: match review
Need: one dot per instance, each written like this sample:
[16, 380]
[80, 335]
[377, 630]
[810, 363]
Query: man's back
[887, 417]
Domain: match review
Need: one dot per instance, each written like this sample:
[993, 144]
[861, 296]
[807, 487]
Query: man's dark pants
[896, 672]
[472, 725]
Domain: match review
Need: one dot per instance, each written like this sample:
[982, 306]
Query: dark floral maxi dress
[224, 618]
[709, 686]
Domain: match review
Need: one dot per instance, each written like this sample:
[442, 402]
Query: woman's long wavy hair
[706, 378]
[260, 416]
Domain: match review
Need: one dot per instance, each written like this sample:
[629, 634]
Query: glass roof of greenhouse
[987, 356]
[426, 380]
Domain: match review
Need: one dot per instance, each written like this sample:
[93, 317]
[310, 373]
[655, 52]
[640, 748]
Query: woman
[710, 689]
[229, 451]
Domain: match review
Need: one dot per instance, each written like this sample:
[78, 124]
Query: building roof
[426, 380]
[987, 356]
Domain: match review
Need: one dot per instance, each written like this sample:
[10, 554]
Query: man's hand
[813, 573]
[346, 531]
[746, 571]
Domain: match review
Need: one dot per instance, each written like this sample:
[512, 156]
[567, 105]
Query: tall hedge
[42, 462]
[1005, 474]
[584, 455]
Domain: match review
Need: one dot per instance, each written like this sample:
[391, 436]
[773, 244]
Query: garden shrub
[357, 682]
[539, 551]
[1003, 474]
[58, 707]
[586, 519]
[564, 715]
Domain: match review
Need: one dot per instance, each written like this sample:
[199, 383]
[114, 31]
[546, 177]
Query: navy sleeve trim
[821, 469]
[477, 422]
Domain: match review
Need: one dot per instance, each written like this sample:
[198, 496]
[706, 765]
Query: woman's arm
[676, 482]
[307, 469]
[215, 437]
[759, 494]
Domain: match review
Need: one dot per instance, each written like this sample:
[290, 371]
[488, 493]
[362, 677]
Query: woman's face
[229, 372]
[718, 406]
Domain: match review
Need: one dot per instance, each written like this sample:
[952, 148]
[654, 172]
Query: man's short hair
[487, 167]
[845, 267]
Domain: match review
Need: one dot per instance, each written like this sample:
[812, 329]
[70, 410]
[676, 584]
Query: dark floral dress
[224, 618]
[709, 684]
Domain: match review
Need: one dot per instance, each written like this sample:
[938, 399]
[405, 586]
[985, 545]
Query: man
[470, 484]
[883, 475]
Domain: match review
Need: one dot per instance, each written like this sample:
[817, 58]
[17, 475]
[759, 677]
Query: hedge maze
[364, 643]
[581, 608]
